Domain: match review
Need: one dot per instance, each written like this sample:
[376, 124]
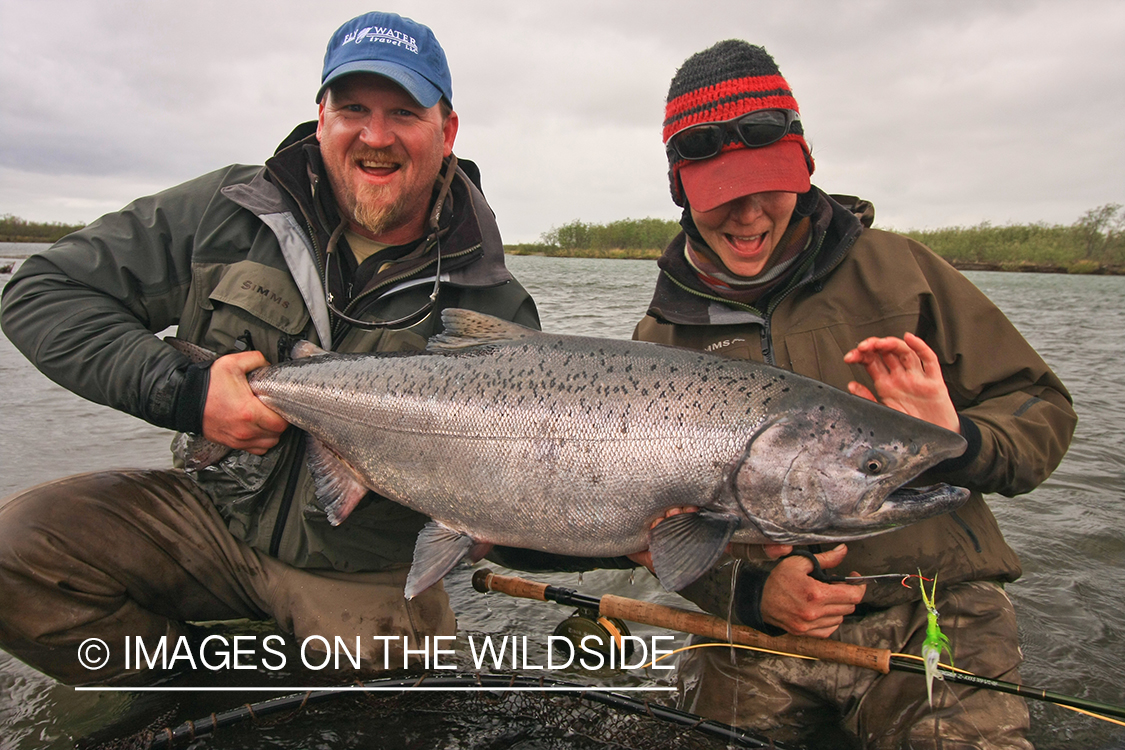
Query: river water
[1069, 534]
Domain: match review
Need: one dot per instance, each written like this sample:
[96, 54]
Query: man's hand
[799, 604]
[907, 378]
[233, 415]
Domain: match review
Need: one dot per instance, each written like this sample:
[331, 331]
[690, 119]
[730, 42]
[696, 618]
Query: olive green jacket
[1015, 412]
[235, 258]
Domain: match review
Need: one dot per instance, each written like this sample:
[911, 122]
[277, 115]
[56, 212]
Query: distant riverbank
[15, 229]
[18, 251]
[1094, 244]
[1014, 265]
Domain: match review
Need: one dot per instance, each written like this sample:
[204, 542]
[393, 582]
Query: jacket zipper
[287, 498]
[964, 525]
[713, 298]
[767, 327]
[295, 468]
[299, 455]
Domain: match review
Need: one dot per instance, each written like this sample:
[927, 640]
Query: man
[354, 237]
[770, 268]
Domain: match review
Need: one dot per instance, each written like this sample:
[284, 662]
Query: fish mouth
[904, 506]
[940, 497]
[907, 505]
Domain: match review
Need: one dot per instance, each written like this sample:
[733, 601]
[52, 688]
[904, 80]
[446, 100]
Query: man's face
[382, 151]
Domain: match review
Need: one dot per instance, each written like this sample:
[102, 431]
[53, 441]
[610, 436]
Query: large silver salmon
[574, 445]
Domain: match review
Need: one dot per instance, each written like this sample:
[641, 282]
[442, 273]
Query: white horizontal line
[359, 688]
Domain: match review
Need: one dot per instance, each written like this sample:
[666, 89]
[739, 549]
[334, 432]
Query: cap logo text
[383, 36]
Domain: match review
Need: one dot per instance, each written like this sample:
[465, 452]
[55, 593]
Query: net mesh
[447, 719]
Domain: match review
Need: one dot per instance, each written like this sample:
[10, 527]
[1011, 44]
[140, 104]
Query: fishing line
[1103, 711]
[1061, 705]
[727, 645]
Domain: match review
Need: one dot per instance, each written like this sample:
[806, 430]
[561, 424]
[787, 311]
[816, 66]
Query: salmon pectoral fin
[338, 489]
[687, 545]
[438, 549]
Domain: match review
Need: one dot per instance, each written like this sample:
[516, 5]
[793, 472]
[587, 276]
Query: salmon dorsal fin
[303, 349]
[465, 329]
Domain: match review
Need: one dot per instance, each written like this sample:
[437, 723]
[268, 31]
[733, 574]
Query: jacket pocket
[227, 300]
[264, 292]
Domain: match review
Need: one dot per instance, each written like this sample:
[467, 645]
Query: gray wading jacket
[236, 257]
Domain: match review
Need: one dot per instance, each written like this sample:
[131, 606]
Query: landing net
[448, 718]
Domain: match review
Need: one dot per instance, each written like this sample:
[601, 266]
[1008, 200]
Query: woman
[768, 267]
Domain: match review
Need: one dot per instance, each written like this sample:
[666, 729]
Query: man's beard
[369, 212]
[367, 209]
[366, 206]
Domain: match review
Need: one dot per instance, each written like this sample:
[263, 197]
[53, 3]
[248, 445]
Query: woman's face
[745, 231]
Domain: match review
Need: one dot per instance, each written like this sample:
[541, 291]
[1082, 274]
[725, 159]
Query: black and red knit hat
[728, 80]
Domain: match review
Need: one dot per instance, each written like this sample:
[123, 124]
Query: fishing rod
[703, 624]
[671, 618]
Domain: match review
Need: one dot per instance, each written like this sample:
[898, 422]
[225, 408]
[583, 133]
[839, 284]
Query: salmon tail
[198, 452]
[196, 353]
[195, 452]
[304, 348]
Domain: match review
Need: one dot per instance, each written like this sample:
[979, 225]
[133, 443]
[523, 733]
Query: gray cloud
[941, 113]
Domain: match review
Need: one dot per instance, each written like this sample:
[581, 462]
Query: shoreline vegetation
[15, 229]
[1094, 244]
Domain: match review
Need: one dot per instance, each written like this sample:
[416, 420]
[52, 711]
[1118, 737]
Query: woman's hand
[799, 604]
[907, 377]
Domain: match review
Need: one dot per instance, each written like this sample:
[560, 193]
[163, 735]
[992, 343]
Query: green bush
[15, 229]
[1097, 239]
[624, 234]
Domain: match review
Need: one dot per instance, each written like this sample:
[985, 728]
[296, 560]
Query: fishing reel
[605, 631]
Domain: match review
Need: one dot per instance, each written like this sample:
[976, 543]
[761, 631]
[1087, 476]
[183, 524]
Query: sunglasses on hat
[756, 129]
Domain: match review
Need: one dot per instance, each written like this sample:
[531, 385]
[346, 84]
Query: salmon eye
[874, 464]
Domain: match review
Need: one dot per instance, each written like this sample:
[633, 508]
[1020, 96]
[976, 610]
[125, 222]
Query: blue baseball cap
[391, 46]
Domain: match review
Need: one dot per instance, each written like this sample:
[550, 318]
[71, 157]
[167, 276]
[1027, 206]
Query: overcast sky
[941, 113]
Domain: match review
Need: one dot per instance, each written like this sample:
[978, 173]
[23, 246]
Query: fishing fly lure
[936, 642]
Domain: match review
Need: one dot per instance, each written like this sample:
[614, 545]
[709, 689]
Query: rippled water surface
[1069, 532]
